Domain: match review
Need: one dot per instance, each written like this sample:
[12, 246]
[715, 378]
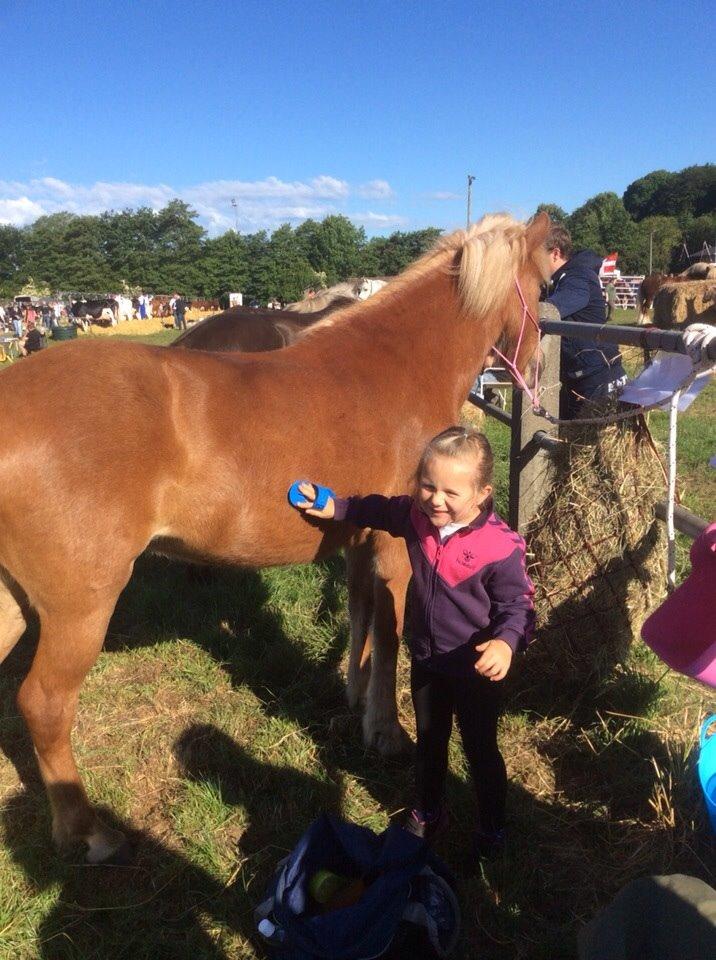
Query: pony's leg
[381, 727]
[68, 647]
[359, 575]
[12, 621]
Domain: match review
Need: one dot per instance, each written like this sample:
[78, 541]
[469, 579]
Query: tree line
[167, 250]
[663, 210]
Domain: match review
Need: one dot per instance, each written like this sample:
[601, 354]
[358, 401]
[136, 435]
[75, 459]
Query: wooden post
[530, 465]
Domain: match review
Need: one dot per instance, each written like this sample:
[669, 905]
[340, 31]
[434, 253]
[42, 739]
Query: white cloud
[443, 195]
[378, 219]
[19, 211]
[376, 190]
[220, 204]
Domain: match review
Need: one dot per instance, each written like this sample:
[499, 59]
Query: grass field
[214, 728]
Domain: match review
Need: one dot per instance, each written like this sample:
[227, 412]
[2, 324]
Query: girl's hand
[495, 660]
[307, 490]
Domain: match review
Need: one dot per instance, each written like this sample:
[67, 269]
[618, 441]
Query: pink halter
[512, 364]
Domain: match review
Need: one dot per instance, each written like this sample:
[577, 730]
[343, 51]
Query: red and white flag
[609, 265]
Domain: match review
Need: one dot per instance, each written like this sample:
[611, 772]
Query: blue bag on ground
[408, 890]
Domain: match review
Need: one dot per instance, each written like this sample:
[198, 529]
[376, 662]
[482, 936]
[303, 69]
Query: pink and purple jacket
[466, 589]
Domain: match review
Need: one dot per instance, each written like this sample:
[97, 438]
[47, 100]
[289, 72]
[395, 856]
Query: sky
[375, 110]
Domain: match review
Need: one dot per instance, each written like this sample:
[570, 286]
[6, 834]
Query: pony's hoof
[122, 857]
[107, 846]
[389, 739]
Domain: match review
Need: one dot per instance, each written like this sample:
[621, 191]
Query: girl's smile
[447, 491]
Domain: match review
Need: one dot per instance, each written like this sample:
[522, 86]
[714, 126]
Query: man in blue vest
[589, 370]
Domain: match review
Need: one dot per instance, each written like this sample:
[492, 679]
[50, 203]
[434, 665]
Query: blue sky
[372, 109]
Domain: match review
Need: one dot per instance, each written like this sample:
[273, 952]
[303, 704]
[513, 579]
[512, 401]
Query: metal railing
[531, 440]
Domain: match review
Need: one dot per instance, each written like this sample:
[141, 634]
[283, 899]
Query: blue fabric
[577, 294]
[388, 863]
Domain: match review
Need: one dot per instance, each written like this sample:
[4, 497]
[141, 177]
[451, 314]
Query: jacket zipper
[431, 598]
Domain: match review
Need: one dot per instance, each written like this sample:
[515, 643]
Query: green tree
[179, 248]
[690, 194]
[130, 248]
[639, 196]
[85, 265]
[12, 257]
[664, 235]
[45, 250]
[224, 265]
[287, 272]
[555, 212]
[602, 224]
[396, 252]
[258, 282]
[333, 246]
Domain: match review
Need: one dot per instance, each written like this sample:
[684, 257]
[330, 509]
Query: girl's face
[447, 493]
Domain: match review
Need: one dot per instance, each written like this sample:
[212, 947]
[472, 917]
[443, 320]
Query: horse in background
[347, 290]
[368, 286]
[253, 330]
[190, 454]
[652, 283]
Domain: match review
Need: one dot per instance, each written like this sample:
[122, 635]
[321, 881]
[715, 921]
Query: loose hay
[597, 552]
[679, 304]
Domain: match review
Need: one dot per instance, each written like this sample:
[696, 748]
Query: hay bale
[597, 552]
[679, 304]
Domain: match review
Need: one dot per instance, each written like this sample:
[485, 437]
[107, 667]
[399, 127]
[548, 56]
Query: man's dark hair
[560, 239]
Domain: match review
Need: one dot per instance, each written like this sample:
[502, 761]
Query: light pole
[470, 180]
[236, 214]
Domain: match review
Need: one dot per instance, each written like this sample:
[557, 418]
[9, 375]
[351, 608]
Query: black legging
[475, 701]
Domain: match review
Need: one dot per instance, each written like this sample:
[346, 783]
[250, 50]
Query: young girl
[471, 611]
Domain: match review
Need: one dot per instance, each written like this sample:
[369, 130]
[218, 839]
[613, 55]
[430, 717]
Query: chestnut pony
[190, 454]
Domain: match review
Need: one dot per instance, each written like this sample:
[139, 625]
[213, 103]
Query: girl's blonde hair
[461, 443]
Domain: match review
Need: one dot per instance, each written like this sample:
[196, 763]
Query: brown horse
[190, 454]
[346, 290]
[252, 330]
[652, 283]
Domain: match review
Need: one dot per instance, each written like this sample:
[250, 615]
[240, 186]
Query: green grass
[214, 728]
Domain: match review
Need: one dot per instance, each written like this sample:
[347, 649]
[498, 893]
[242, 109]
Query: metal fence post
[530, 465]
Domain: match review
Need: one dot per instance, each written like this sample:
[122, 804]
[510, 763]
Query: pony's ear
[537, 230]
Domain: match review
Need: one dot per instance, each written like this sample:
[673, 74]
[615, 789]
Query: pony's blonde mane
[493, 250]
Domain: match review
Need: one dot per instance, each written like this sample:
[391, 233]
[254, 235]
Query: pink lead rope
[512, 364]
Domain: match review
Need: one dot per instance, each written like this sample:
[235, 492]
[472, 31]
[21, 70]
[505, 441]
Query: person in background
[611, 293]
[472, 611]
[17, 321]
[180, 307]
[589, 370]
[33, 340]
